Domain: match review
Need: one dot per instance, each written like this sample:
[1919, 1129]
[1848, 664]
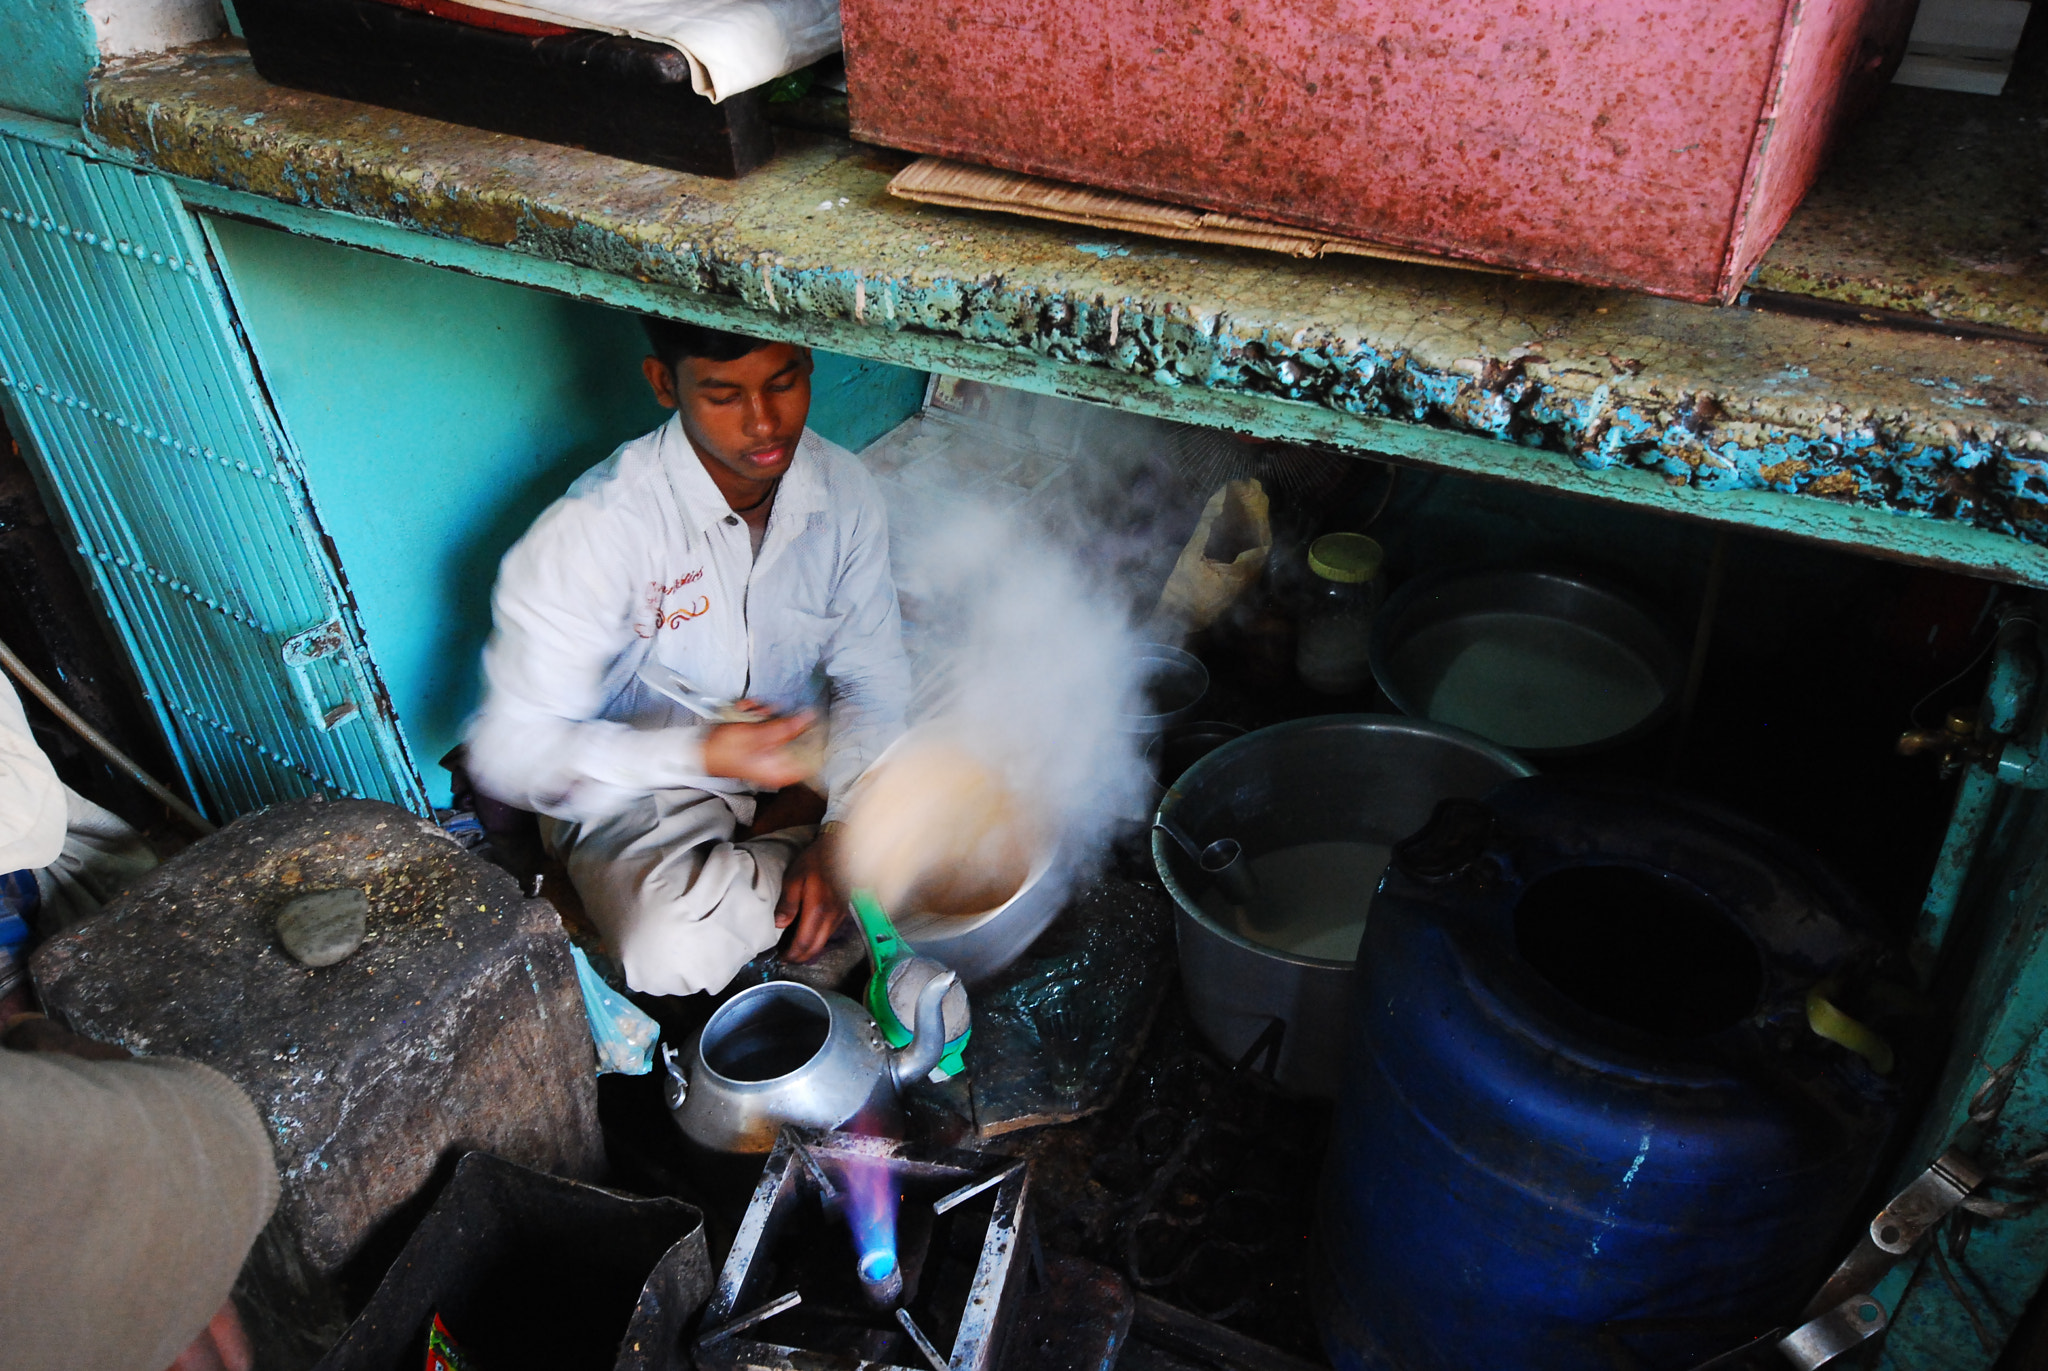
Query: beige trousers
[102, 857]
[681, 904]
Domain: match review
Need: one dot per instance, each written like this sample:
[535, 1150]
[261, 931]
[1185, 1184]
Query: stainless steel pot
[1363, 778]
[1172, 683]
[782, 1053]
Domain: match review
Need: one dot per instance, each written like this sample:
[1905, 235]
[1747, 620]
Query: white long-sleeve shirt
[643, 558]
[32, 806]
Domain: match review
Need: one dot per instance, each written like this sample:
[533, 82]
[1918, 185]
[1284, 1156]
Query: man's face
[745, 415]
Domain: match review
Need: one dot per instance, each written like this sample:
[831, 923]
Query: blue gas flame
[871, 1201]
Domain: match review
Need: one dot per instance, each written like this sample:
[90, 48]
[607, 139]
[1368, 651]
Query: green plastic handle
[885, 949]
[885, 946]
[955, 1059]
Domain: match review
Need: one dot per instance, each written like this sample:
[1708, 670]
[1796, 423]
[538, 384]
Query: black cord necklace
[762, 501]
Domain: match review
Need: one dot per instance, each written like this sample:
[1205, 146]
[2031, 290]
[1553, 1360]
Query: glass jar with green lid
[1336, 613]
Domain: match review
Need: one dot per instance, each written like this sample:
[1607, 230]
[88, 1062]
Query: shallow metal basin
[1439, 603]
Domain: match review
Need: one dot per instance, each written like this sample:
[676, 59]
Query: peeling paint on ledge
[1714, 400]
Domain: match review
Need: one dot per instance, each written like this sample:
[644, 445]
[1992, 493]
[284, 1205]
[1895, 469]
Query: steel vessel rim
[824, 999]
[1517, 767]
[945, 928]
[1160, 723]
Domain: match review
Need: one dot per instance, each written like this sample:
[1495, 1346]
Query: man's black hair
[672, 341]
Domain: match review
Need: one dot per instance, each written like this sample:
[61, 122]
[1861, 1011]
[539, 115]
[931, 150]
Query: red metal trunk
[1654, 146]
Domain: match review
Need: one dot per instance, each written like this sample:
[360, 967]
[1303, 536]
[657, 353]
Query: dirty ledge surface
[1714, 399]
[1933, 206]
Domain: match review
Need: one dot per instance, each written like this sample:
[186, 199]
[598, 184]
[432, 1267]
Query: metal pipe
[1696, 664]
[2008, 696]
[924, 1344]
[1976, 797]
[18, 669]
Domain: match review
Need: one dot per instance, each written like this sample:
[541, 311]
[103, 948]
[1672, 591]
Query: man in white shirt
[61, 855]
[750, 556]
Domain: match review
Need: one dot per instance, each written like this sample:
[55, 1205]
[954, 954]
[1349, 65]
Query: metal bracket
[1898, 1226]
[1925, 1203]
[1819, 1341]
[300, 652]
[1844, 1315]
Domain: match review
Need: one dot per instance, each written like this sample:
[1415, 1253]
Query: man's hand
[761, 754]
[810, 899]
[35, 1033]
[221, 1346]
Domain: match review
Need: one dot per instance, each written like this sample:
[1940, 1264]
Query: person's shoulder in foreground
[130, 1192]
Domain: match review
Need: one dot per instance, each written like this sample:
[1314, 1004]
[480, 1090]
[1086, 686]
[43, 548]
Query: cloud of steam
[1025, 597]
[1028, 662]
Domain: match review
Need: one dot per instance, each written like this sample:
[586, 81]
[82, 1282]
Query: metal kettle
[783, 1053]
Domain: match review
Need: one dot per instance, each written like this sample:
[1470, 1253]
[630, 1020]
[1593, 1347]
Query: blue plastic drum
[1585, 1121]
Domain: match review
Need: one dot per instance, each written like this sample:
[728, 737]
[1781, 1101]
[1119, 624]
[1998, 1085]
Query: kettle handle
[916, 1058]
[677, 1088]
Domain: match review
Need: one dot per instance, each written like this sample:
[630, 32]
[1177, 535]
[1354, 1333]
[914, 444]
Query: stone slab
[1933, 207]
[457, 1026]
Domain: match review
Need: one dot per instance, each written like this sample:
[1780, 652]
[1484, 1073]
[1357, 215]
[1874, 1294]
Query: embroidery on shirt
[658, 614]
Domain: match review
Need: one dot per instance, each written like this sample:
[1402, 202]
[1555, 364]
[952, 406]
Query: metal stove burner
[795, 1290]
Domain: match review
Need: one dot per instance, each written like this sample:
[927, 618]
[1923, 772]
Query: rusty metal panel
[128, 379]
[1658, 147]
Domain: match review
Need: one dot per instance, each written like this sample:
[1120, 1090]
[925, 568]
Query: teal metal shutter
[127, 377]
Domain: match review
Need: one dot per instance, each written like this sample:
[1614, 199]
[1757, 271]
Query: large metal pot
[979, 945]
[783, 1053]
[1357, 778]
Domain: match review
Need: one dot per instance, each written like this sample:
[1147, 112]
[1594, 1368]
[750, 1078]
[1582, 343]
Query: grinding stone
[321, 928]
[459, 1027]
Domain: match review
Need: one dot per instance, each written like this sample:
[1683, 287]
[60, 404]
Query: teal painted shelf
[1912, 445]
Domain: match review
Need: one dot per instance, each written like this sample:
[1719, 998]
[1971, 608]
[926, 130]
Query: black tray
[533, 1271]
[621, 96]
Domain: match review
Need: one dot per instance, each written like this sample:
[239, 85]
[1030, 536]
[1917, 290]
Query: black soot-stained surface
[1056, 1033]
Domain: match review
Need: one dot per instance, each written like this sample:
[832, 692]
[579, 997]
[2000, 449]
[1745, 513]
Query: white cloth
[31, 796]
[732, 45]
[680, 904]
[643, 558]
[103, 855]
[82, 855]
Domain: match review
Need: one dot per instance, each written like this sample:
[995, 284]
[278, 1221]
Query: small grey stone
[321, 928]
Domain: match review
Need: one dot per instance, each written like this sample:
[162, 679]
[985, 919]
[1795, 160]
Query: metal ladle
[1221, 861]
[666, 680]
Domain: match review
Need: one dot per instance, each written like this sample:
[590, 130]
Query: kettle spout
[676, 1088]
[916, 1058]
